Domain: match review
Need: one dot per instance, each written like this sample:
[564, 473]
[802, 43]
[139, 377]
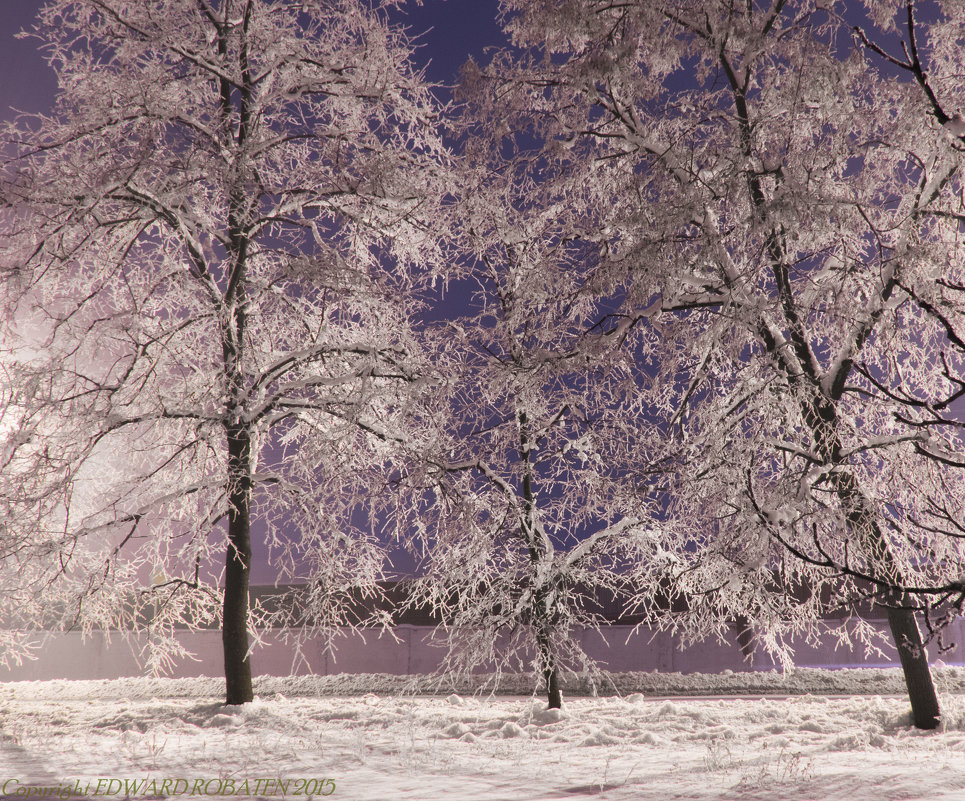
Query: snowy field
[834, 735]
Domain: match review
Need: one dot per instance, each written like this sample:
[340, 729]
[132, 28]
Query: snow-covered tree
[797, 185]
[207, 250]
[529, 520]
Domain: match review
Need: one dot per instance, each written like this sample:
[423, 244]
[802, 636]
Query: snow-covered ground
[834, 735]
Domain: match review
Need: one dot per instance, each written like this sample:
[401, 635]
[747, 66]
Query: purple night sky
[26, 83]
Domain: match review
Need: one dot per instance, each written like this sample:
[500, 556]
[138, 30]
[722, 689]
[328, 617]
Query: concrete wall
[408, 650]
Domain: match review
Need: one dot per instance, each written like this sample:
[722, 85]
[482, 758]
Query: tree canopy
[209, 245]
[716, 341]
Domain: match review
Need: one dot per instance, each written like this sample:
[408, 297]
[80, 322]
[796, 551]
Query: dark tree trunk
[542, 614]
[551, 674]
[554, 697]
[925, 711]
[901, 617]
[863, 522]
[234, 631]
